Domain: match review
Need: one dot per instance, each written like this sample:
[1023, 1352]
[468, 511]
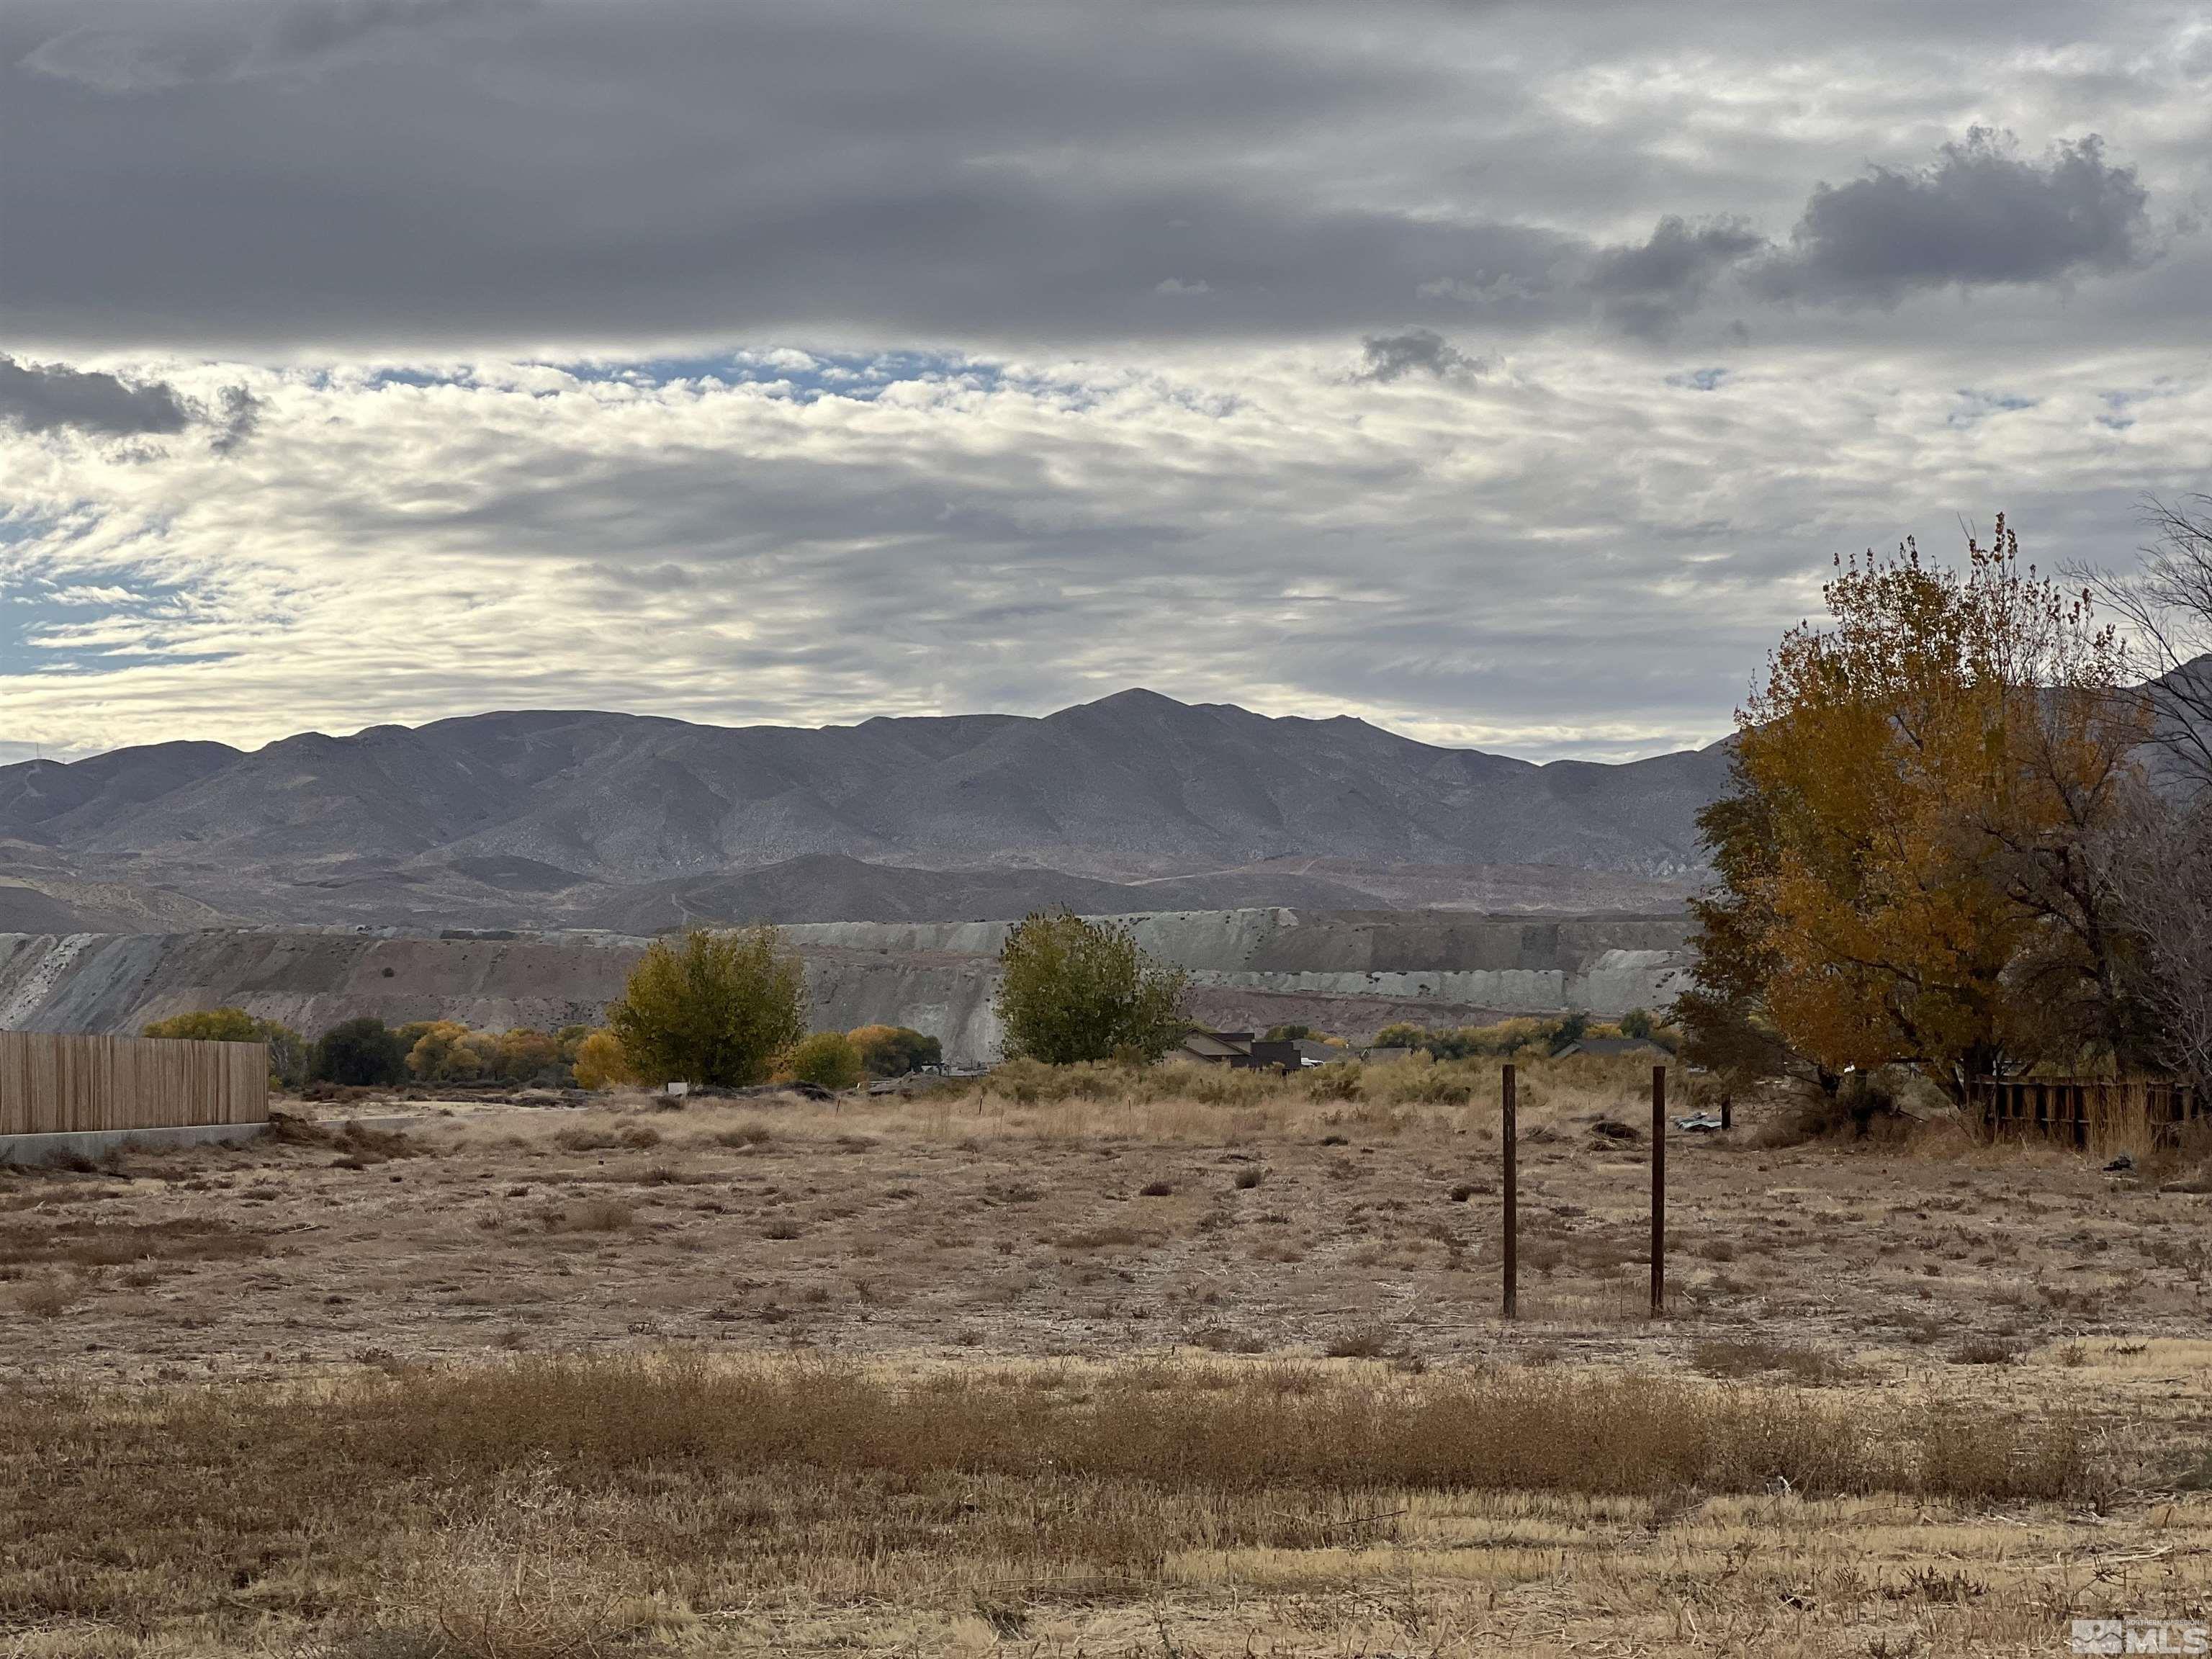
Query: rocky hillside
[611, 820]
[1348, 972]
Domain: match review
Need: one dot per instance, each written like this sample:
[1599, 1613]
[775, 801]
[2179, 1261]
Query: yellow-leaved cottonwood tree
[715, 1009]
[1909, 860]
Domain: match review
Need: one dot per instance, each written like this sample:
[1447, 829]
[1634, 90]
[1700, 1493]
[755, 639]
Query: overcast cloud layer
[1505, 373]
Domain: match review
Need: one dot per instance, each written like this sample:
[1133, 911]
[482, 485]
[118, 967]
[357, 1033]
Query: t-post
[1511, 1176]
[1658, 1190]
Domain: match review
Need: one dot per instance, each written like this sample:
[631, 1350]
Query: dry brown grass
[951, 1463]
[532, 1580]
[544, 1506]
[1748, 1356]
[47, 1296]
[592, 1215]
[85, 1242]
[1178, 1101]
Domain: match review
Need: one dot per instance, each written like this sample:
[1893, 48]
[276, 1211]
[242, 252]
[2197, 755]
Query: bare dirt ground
[929, 1238]
[1080, 1229]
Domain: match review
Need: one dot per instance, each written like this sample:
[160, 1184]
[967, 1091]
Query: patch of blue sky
[2117, 407]
[88, 621]
[413, 377]
[1699, 380]
[1975, 406]
[380, 375]
[805, 375]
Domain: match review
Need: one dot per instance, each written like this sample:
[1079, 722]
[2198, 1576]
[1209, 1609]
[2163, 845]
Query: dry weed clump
[601, 1137]
[1757, 1356]
[48, 1296]
[1181, 1100]
[534, 1579]
[84, 1242]
[592, 1215]
[1366, 1339]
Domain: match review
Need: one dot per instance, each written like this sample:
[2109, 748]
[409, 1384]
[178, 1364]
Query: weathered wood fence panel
[2083, 1111]
[57, 1082]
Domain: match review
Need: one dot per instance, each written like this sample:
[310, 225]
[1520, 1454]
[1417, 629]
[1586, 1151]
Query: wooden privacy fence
[2086, 1111]
[55, 1082]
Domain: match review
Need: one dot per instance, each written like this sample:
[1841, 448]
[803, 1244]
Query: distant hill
[1135, 802]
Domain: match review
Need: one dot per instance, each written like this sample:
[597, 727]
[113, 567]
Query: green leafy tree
[1637, 1023]
[1072, 990]
[364, 1052]
[715, 1009]
[446, 1052]
[830, 1060]
[530, 1056]
[210, 1025]
[895, 1050]
[1572, 1027]
[288, 1052]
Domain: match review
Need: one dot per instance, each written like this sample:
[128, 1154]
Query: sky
[1507, 374]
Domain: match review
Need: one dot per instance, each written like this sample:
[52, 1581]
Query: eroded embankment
[938, 979]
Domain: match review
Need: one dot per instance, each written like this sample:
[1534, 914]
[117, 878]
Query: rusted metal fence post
[1510, 1133]
[1658, 1190]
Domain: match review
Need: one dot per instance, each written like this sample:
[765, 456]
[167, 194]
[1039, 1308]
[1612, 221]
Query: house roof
[1622, 1045]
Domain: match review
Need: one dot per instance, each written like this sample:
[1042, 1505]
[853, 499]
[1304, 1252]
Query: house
[1611, 1047]
[1281, 1056]
[1215, 1048]
[1240, 1050]
[1321, 1053]
[1384, 1056]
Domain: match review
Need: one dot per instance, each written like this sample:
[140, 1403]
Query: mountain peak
[1134, 698]
[544, 817]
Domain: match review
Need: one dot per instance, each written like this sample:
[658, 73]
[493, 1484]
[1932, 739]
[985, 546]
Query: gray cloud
[304, 31]
[474, 175]
[49, 396]
[125, 61]
[1982, 214]
[1137, 266]
[1646, 287]
[148, 53]
[238, 414]
[1393, 356]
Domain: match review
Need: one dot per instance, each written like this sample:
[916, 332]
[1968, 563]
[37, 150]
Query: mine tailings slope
[1343, 971]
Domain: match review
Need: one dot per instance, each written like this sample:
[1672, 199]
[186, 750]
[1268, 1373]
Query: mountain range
[543, 818]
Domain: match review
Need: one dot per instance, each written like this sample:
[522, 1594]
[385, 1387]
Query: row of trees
[728, 1009]
[1970, 828]
[367, 1053]
[1509, 1037]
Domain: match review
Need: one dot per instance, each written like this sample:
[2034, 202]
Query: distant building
[1321, 1053]
[1609, 1046]
[1215, 1048]
[1239, 1050]
[1271, 1056]
[1384, 1056]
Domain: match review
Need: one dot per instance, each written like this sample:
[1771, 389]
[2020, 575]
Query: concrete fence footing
[95, 1144]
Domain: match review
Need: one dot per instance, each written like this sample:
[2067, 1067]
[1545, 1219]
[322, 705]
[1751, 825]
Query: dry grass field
[1203, 1366]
